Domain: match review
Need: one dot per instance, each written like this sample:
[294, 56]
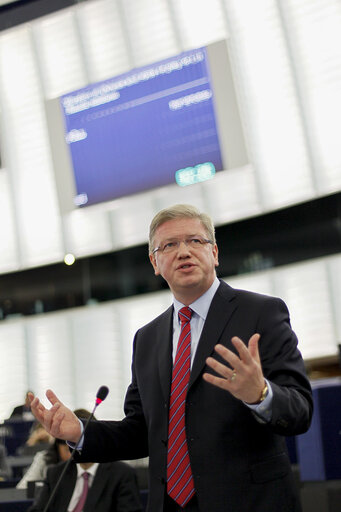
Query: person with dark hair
[57, 452]
[89, 486]
[38, 439]
[217, 384]
[23, 412]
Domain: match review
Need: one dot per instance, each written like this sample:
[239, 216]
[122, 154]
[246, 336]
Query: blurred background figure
[23, 412]
[37, 440]
[5, 470]
[38, 436]
[57, 452]
[89, 487]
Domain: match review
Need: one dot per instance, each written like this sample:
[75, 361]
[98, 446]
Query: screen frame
[227, 115]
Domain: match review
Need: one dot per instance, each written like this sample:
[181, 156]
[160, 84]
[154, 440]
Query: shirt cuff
[79, 446]
[263, 409]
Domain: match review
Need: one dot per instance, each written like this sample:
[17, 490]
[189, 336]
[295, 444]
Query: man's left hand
[242, 376]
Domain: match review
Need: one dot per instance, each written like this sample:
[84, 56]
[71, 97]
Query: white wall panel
[9, 257]
[103, 38]
[207, 18]
[130, 219]
[173, 194]
[151, 33]
[98, 358]
[314, 32]
[28, 154]
[269, 103]
[86, 229]
[134, 313]
[50, 356]
[60, 55]
[305, 288]
[232, 195]
[259, 282]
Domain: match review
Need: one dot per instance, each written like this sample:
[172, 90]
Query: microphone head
[102, 394]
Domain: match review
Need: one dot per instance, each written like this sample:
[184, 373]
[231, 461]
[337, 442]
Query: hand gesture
[59, 421]
[242, 376]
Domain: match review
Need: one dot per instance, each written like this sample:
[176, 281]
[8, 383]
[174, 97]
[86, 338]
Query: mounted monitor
[174, 121]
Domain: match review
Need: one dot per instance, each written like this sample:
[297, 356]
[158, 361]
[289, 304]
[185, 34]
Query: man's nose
[183, 248]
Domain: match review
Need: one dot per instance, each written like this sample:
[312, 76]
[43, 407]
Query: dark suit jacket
[114, 489]
[19, 410]
[239, 464]
[5, 469]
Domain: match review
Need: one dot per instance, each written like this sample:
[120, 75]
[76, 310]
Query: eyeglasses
[193, 242]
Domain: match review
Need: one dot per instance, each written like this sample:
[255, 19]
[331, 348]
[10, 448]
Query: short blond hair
[180, 211]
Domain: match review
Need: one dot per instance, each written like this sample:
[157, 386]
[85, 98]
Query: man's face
[188, 271]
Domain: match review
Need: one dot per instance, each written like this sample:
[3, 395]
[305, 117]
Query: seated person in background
[58, 452]
[23, 411]
[38, 435]
[37, 440]
[90, 487]
[5, 470]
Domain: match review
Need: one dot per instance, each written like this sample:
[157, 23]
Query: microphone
[101, 395]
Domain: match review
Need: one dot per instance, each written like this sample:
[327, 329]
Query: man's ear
[152, 259]
[215, 253]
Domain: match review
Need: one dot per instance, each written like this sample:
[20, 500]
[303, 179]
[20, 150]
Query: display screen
[144, 129]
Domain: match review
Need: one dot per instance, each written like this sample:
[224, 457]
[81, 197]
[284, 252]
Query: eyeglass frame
[203, 242]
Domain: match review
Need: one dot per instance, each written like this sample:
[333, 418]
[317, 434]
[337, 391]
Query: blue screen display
[144, 129]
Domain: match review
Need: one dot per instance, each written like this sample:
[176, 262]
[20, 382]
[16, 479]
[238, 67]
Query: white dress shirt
[80, 482]
[200, 309]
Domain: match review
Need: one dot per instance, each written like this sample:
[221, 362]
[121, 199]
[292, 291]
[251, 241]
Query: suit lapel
[164, 342]
[219, 313]
[69, 482]
[97, 487]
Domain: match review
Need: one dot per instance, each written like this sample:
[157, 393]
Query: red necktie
[80, 505]
[180, 486]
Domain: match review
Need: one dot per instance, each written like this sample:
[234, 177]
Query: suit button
[164, 441]
[163, 481]
[283, 423]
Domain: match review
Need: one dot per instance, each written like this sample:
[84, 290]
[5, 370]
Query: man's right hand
[59, 421]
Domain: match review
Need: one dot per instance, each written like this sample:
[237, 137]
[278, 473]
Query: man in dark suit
[247, 387]
[23, 411]
[109, 487]
[113, 488]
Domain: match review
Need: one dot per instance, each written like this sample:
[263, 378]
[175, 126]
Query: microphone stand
[101, 395]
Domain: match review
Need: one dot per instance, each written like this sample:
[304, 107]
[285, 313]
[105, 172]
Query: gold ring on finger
[233, 376]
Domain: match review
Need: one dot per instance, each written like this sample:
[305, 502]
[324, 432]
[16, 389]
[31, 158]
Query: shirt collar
[202, 304]
[91, 470]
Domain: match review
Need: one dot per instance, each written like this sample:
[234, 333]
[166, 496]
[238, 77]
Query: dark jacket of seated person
[113, 488]
[5, 470]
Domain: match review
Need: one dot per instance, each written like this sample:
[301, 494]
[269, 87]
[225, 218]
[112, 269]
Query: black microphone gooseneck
[102, 393]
